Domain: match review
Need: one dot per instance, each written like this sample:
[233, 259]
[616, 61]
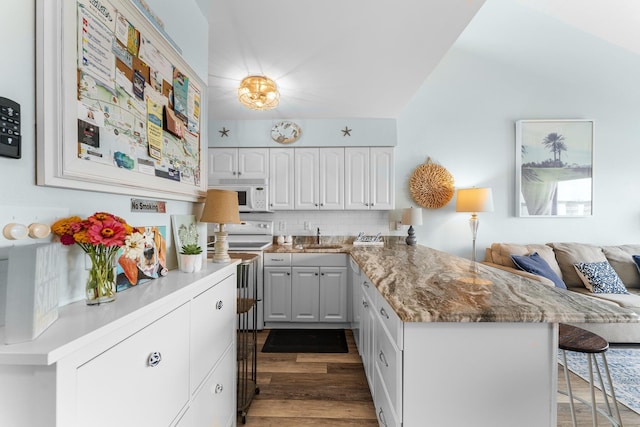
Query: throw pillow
[636, 259]
[534, 264]
[600, 278]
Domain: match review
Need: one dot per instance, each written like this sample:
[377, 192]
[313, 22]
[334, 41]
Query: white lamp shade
[412, 216]
[474, 200]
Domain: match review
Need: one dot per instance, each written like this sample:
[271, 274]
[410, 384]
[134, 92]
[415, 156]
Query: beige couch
[561, 257]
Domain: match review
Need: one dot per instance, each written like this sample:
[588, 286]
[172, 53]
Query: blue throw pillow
[534, 264]
[600, 278]
[636, 259]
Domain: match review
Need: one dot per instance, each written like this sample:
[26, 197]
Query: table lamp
[474, 200]
[411, 217]
[221, 207]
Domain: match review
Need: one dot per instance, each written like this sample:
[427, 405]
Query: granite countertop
[426, 285]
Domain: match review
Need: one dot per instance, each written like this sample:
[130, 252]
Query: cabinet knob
[239, 173]
[218, 389]
[315, 204]
[372, 204]
[322, 274]
[315, 274]
[219, 305]
[321, 204]
[154, 359]
[234, 172]
[383, 359]
[366, 204]
[384, 312]
[288, 274]
[365, 304]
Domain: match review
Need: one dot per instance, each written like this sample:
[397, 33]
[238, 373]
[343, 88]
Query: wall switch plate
[307, 226]
[282, 226]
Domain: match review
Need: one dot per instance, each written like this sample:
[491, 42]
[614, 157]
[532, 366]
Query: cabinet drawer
[389, 364]
[319, 260]
[121, 388]
[389, 320]
[214, 404]
[387, 417]
[277, 260]
[213, 317]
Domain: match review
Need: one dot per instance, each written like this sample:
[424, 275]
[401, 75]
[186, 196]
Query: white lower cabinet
[214, 405]
[162, 354]
[277, 294]
[144, 380]
[382, 354]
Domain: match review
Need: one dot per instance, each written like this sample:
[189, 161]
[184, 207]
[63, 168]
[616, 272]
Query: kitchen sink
[321, 246]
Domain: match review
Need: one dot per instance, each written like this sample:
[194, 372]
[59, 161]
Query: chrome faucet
[318, 235]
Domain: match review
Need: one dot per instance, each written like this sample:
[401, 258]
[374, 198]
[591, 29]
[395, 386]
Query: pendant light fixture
[258, 93]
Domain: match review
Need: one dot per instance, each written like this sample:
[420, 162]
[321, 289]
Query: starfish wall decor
[224, 132]
[346, 131]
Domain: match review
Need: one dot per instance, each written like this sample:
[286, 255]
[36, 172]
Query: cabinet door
[382, 174]
[367, 331]
[214, 405]
[121, 387]
[331, 182]
[253, 163]
[333, 294]
[307, 177]
[222, 164]
[277, 294]
[356, 178]
[213, 324]
[281, 166]
[305, 293]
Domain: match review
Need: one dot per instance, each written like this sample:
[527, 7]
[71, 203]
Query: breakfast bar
[440, 333]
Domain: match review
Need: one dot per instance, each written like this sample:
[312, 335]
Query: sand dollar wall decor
[431, 185]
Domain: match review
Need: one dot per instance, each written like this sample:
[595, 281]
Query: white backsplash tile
[331, 223]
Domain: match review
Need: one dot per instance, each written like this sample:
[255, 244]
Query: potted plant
[190, 258]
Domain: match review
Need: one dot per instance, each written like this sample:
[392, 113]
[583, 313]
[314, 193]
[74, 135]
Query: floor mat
[306, 341]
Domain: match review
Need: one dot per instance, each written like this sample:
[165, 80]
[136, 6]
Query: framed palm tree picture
[554, 168]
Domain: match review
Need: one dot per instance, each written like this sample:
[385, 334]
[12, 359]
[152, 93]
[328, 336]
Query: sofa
[580, 267]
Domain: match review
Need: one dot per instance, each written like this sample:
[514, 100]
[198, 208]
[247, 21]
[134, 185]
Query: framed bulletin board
[118, 108]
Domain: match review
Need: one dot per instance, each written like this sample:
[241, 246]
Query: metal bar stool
[578, 340]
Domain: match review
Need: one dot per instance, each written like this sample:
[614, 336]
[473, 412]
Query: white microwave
[253, 194]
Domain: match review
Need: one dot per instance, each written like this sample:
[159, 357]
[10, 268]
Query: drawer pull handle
[219, 305]
[382, 418]
[383, 359]
[366, 285]
[364, 303]
[154, 359]
[384, 312]
[218, 389]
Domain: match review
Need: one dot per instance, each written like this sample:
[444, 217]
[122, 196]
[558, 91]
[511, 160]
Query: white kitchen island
[446, 345]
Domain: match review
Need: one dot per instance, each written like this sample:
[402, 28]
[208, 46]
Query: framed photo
[185, 232]
[554, 168]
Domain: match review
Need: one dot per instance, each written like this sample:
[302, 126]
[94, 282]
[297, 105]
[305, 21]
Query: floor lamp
[474, 200]
[221, 207]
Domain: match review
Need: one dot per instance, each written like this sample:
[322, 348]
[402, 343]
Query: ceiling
[329, 58]
[361, 58]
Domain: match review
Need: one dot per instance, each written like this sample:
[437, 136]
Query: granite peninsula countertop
[426, 285]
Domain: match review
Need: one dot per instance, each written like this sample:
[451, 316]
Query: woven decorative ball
[431, 185]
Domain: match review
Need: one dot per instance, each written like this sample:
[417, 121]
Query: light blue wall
[513, 63]
[18, 189]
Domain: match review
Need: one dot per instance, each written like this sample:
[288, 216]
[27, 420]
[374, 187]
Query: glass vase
[101, 283]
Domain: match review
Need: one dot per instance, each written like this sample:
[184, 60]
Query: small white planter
[190, 263]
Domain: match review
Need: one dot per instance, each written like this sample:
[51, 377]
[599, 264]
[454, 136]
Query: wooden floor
[321, 390]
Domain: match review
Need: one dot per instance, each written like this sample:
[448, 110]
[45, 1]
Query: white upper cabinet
[281, 187]
[319, 177]
[234, 163]
[369, 178]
